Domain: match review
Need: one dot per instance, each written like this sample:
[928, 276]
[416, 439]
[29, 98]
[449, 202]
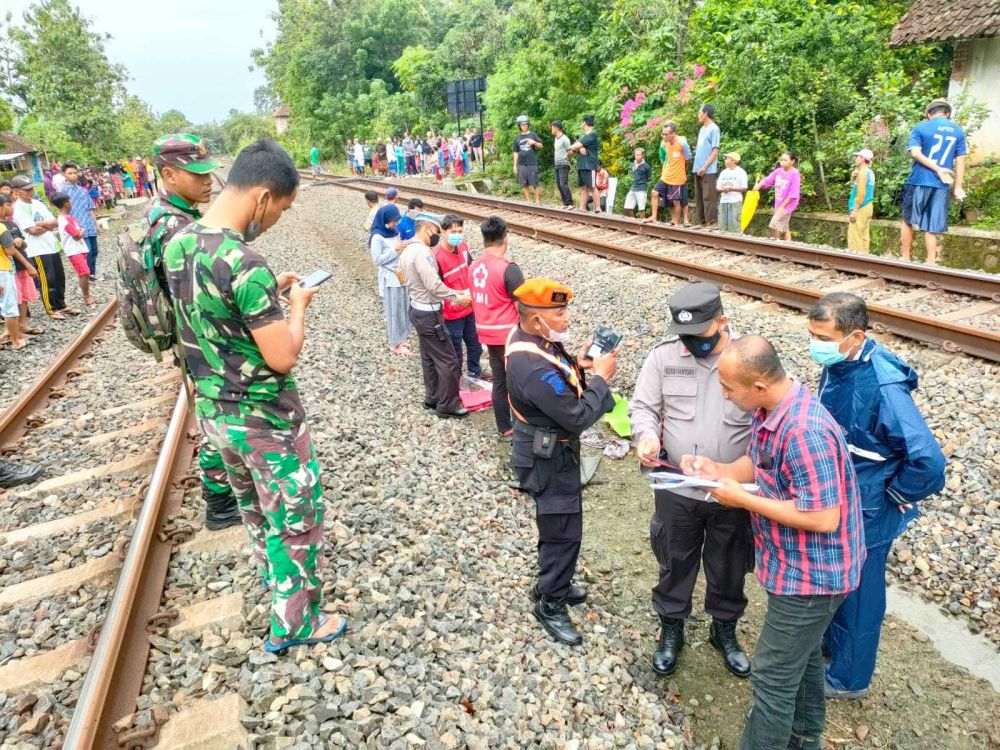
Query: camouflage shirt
[222, 290]
[173, 214]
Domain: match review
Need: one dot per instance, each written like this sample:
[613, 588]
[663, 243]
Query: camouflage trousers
[275, 476]
[214, 478]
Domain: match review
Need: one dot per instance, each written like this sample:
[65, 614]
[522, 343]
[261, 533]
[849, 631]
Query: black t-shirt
[526, 154]
[476, 141]
[15, 234]
[640, 175]
[513, 277]
[589, 160]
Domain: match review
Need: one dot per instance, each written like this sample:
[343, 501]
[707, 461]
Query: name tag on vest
[683, 372]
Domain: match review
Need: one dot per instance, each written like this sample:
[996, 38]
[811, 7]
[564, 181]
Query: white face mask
[556, 337]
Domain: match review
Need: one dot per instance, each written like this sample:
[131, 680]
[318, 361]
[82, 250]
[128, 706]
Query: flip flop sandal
[57, 316]
[33, 331]
[71, 311]
[277, 648]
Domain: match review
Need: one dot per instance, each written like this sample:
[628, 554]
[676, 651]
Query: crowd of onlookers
[437, 155]
[57, 217]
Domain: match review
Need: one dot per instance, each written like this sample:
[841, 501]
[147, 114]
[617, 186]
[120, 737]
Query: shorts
[79, 263]
[926, 207]
[780, 225]
[635, 199]
[8, 295]
[527, 175]
[586, 178]
[672, 193]
[26, 289]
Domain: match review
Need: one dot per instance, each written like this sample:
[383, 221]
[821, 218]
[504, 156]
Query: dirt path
[918, 700]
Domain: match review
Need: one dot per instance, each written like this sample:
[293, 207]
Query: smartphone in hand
[316, 278]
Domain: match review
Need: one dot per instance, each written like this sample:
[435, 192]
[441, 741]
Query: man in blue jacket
[898, 462]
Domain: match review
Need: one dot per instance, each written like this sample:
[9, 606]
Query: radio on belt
[605, 340]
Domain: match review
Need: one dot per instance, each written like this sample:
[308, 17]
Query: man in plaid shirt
[808, 536]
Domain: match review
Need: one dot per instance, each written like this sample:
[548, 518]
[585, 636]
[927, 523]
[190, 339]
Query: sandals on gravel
[277, 648]
[32, 331]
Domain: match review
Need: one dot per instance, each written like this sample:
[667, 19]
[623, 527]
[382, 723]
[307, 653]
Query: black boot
[221, 511]
[12, 475]
[669, 646]
[722, 635]
[574, 595]
[555, 619]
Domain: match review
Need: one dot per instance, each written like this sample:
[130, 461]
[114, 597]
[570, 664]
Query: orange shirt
[674, 171]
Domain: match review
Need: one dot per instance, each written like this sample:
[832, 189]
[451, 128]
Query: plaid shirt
[82, 206]
[799, 455]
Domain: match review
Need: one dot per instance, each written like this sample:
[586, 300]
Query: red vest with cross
[455, 275]
[496, 313]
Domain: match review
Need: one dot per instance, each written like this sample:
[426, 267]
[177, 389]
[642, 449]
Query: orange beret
[543, 293]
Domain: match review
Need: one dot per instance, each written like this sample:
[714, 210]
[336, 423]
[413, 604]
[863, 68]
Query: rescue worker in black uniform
[552, 404]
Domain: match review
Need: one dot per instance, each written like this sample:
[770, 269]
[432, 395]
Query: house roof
[282, 111]
[14, 142]
[944, 20]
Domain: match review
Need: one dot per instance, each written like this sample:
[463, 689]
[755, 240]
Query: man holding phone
[552, 404]
[677, 408]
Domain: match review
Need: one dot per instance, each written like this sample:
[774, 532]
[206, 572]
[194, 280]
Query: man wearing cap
[731, 185]
[441, 368]
[859, 204]
[552, 404]
[38, 226]
[526, 143]
[677, 409]
[186, 169]
[706, 167]
[937, 147]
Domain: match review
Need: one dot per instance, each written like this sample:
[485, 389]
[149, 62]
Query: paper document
[663, 480]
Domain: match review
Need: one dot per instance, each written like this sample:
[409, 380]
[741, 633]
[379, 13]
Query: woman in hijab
[385, 245]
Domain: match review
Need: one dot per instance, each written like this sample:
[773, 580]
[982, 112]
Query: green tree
[80, 94]
[137, 128]
[174, 121]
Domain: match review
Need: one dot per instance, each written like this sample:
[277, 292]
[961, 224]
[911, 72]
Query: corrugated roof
[944, 20]
[14, 142]
[12, 156]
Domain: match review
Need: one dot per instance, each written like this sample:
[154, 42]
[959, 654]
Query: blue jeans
[92, 254]
[789, 703]
[852, 638]
[464, 329]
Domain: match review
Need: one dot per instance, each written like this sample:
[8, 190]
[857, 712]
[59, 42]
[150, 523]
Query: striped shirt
[799, 454]
[82, 205]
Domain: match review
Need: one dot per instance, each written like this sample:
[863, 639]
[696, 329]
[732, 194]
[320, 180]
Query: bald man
[808, 537]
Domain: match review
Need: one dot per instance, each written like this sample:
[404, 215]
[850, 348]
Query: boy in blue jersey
[937, 147]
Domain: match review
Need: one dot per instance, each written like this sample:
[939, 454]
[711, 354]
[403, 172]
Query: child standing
[859, 205]
[731, 185]
[71, 236]
[786, 181]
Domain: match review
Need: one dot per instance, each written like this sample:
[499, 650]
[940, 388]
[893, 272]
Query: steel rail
[951, 337]
[12, 422]
[970, 283]
[116, 671]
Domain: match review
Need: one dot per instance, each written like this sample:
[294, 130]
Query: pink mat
[476, 400]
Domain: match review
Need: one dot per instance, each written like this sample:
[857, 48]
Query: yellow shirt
[6, 263]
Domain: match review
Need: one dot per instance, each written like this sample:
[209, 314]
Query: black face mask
[701, 346]
[433, 239]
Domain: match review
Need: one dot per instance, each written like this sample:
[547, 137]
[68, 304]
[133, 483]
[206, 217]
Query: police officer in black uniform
[552, 404]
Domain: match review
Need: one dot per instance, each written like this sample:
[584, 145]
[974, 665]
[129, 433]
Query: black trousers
[562, 182]
[559, 536]
[501, 402]
[685, 532]
[51, 281]
[441, 368]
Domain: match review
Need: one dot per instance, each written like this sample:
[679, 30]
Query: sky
[202, 70]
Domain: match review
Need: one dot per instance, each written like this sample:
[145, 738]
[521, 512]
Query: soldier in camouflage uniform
[186, 169]
[239, 348]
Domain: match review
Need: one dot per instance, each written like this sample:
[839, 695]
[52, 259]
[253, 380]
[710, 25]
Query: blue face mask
[454, 240]
[826, 353]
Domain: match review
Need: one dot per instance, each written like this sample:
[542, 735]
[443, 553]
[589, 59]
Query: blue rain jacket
[896, 458]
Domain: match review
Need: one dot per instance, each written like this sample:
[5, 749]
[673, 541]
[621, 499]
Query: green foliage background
[814, 76]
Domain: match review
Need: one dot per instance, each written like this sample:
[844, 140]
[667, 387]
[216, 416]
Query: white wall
[977, 65]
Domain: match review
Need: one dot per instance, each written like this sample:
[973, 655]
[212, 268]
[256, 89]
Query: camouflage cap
[185, 151]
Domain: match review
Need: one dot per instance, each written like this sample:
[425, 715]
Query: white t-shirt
[58, 181]
[26, 215]
[733, 178]
[71, 245]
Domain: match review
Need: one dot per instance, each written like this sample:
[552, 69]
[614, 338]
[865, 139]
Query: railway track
[951, 309]
[84, 551]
